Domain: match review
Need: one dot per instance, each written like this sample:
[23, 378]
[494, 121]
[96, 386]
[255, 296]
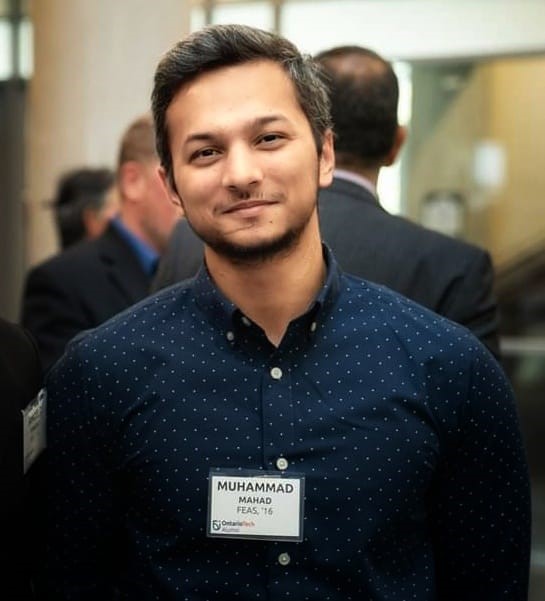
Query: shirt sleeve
[83, 534]
[480, 504]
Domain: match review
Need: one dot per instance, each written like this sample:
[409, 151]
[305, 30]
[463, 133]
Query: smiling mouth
[246, 205]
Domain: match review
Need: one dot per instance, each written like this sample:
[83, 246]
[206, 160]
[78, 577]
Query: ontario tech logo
[216, 525]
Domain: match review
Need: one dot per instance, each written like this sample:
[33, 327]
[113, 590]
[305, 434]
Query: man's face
[244, 159]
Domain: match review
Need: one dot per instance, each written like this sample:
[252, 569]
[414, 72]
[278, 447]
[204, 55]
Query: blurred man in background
[449, 276]
[85, 202]
[90, 282]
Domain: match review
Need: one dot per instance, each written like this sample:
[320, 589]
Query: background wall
[516, 89]
[93, 69]
[458, 106]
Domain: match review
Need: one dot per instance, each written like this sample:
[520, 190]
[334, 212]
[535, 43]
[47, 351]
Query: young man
[449, 276]
[273, 428]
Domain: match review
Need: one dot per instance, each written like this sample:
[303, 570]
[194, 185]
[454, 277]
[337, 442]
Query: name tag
[34, 429]
[255, 504]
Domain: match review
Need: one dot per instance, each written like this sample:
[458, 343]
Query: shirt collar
[355, 178]
[147, 256]
[222, 312]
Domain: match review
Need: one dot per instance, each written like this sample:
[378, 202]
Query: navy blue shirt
[402, 423]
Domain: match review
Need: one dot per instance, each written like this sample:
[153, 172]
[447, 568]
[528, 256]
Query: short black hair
[224, 45]
[363, 103]
[78, 190]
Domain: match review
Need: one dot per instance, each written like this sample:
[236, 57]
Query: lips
[246, 205]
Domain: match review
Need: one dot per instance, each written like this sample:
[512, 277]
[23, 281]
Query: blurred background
[73, 73]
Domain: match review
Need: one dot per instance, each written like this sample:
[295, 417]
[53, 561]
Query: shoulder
[78, 266]
[70, 260]
[431, 244]
[430, 238]
[422, 333]
[443, 360]
[142, 324]
[348, 200]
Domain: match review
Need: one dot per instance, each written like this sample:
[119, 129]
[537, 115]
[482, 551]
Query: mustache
[255, 196]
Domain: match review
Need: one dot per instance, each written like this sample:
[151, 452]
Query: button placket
[282, 463]
[278, 420]
[276, 373]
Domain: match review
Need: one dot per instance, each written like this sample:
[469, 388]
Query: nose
[242, 170]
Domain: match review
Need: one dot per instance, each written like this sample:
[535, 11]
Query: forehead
[225, 95]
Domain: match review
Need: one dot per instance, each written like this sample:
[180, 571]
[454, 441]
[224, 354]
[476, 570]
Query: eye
[204, 154]
[270, 139]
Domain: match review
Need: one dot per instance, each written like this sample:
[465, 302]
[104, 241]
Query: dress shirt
[355, 178]
[401, 422]
[147, 256]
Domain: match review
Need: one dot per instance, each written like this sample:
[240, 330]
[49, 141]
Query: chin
[255, 252]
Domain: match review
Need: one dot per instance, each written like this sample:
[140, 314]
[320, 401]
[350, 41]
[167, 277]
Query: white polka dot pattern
[404, 426]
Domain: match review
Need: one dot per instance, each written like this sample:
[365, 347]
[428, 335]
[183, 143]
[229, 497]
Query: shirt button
[276, 373]
[246, 321]
[313, 326]
[230, 336]
[284, 559]
[282, 463]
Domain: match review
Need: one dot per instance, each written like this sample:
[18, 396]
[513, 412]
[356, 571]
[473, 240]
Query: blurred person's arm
[470, 301]
[51, 313]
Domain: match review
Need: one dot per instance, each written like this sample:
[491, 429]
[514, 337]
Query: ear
[172, 193]
[327, 160]
[94, 225]
[131, 181]
[399, 139]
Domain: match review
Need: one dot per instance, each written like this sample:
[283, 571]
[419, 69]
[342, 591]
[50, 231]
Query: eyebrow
[255, 123]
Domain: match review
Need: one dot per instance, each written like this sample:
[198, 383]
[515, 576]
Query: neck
[275, 291]
[369, 173]
[133, 223]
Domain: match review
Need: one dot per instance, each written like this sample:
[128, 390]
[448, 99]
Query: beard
[253, 254]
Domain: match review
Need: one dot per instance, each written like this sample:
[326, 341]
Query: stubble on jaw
[257, 254]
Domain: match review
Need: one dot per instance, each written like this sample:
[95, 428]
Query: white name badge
[255, 504]
[34, 429]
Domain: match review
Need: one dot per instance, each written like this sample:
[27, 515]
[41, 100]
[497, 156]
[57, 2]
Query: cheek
[196, 190]
[299, 170]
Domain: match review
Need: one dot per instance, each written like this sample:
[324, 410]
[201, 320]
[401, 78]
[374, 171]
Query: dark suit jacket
[182, 258]
[451, 277]
[20, 380]
[79, 289]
